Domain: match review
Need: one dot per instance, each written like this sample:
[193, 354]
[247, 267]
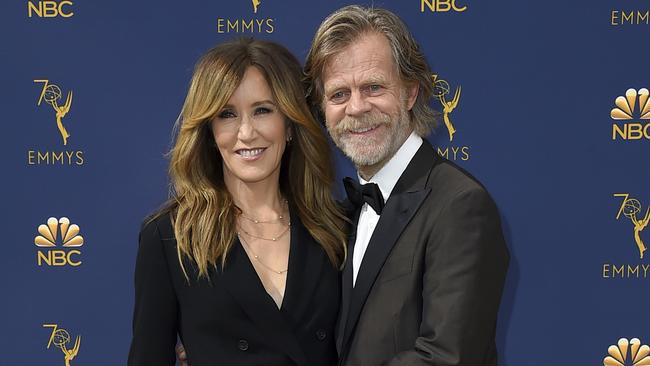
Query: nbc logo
[441, 6]
[50, 9]
[618, 354]
[625, 111]
[48, 238]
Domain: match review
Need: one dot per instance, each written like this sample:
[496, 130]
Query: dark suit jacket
[230, 319]
[429, 285]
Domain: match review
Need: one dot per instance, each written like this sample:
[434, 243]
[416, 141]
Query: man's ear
[412, 90]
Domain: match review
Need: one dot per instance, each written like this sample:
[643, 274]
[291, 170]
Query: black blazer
[230, 319]
[429, 285]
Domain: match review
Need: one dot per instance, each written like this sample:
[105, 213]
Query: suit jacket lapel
[406, 198]
[242, 282]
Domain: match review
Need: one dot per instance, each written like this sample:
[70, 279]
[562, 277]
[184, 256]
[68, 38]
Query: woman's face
[250, 132]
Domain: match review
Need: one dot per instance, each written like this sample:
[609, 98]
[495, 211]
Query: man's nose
[357, 104]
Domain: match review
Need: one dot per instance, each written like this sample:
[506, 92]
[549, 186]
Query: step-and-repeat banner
[549, 101]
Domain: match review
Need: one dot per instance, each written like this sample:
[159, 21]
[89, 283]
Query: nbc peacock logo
[631, 115]
[627, 353]
[58, 233]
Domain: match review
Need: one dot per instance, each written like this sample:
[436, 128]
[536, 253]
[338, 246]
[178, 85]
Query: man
[427, 260]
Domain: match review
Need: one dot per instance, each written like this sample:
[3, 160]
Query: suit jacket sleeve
[465, 265]
[155, 313]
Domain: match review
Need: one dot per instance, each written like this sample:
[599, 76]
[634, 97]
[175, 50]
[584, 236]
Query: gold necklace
[257, 221]
[275, 238]
[257, 258]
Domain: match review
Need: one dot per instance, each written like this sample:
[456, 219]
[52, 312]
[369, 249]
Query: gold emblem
[256, 3]
[441, 89]
[61, 338]
[48, 233]
[618, 354]
[624, 109]
[51, 94]
[630, 207]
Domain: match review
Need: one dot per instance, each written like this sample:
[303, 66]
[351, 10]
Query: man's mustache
[366, 121]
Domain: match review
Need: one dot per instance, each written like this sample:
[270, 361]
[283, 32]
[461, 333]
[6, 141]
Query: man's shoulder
[454, 188]
[450, 179]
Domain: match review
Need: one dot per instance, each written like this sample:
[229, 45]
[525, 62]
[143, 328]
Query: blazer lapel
[257, 304]
[346, 278]
[406, 198]
[305, 264]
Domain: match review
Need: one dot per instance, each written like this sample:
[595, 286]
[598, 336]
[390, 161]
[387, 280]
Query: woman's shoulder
[157, 226]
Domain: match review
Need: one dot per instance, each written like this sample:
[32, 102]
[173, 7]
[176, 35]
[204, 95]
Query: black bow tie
[360, 193]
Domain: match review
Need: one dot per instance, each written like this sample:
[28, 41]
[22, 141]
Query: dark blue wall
[538, 79]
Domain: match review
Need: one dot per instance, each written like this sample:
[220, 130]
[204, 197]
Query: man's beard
[379, 147]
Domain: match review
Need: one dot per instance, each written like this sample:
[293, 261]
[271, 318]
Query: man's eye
[338, 96]
[374, 88]
[227, 114]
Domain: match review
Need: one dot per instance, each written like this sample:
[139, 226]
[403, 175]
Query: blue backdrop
[534, 123]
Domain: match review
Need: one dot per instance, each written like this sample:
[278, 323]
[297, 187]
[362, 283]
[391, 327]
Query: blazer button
[321, 335]
[242, 345]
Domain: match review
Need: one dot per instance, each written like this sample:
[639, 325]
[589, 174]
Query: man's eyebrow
[371, 79]
[329, 88]
[375, 79]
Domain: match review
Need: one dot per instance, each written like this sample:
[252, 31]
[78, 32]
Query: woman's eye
[263, 110]
[226, 114]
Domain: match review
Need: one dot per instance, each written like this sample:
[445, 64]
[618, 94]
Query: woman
[242, 263]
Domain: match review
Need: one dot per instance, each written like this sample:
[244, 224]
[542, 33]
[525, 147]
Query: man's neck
[368, 171]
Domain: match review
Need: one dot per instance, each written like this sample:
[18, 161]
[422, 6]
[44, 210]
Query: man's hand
[181, 355]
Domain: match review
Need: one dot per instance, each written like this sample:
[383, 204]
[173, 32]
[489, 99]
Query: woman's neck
[260, 200]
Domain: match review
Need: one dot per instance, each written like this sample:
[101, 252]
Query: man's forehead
[338, 80]
[367, 57]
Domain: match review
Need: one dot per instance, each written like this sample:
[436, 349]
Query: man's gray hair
[346, 25]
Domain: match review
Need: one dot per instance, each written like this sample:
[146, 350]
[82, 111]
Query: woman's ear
[289, 131]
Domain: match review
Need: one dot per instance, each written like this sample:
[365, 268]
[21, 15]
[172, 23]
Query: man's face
[365, 103]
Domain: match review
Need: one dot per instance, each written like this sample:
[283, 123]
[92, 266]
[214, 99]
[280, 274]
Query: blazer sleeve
[155, 313]
[465, 266]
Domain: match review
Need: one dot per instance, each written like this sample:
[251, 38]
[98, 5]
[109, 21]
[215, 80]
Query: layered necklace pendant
[260, 224]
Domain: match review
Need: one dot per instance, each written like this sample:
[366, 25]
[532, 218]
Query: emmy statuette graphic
[60, 338]
[51, 94]
[630, 208]
[440, 90]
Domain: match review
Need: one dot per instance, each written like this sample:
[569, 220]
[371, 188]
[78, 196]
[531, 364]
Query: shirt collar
[387, 177]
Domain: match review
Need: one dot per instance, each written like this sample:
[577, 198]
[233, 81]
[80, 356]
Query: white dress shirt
[386, 178]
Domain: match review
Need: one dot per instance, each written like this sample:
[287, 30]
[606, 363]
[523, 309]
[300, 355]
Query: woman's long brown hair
[202, 210]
